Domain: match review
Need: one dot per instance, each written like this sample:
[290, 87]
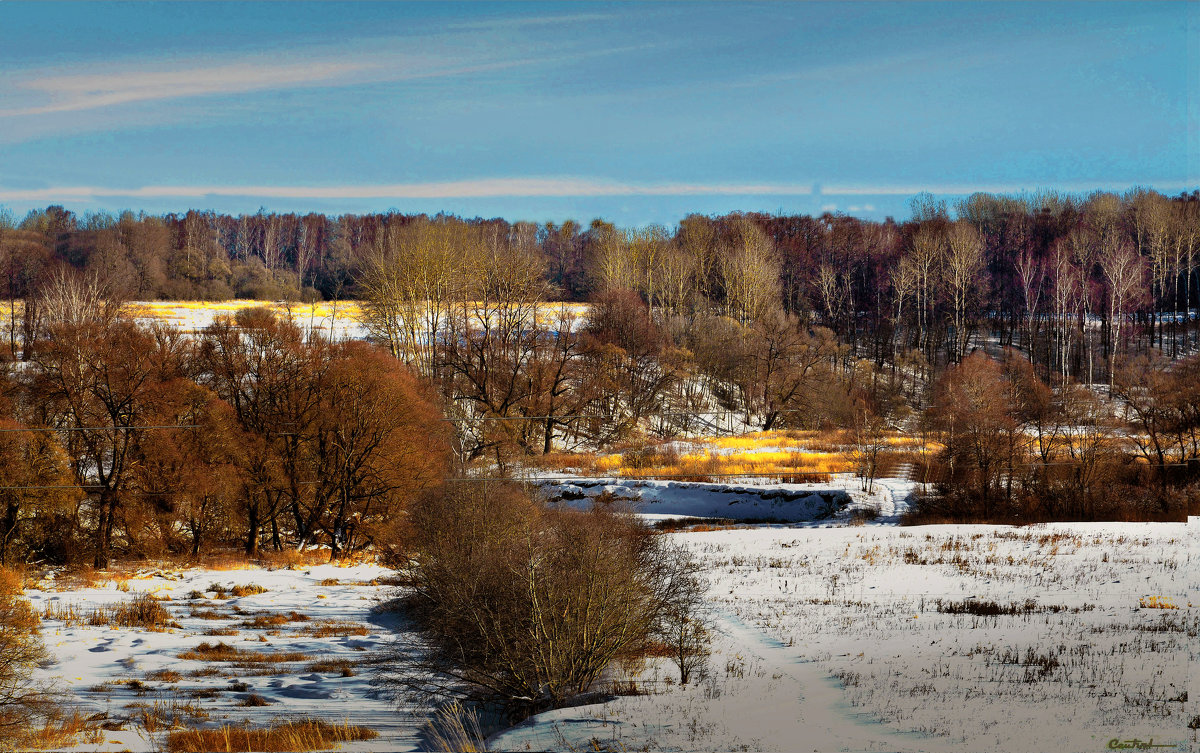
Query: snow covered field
[301, 648]
[828, 636]
[946, 638]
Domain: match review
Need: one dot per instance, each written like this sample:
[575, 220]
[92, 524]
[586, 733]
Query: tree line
[1072, 281]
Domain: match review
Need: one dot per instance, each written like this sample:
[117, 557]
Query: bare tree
[1124, 272]
[750, 273]
[964, 266]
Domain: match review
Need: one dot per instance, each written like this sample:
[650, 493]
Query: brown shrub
[21, 650]
[590, 592]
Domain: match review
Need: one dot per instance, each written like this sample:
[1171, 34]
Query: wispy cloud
[464, 50]
[461, 189]
[1078, 186]
[67, 93]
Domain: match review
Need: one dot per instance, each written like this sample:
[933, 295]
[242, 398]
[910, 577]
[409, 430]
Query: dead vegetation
[343, 667]
[223, 652]
[285, 737]
[335, 628]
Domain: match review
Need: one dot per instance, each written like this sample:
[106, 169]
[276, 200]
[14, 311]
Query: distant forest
[1068, 280]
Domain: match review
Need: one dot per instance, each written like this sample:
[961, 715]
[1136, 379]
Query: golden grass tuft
[286, 737]
[142, 611]
[454, 727]
[248, 589]
[1157, 602]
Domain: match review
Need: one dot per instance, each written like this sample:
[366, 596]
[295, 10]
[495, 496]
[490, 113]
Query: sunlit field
[790, 455]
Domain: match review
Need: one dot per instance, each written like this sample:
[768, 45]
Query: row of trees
[120, 437]
[1016, 448]
[1071, 282]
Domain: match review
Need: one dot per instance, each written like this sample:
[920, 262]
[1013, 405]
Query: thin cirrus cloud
[74, 92]
[36, 92]
[960, 189]
[480, 188]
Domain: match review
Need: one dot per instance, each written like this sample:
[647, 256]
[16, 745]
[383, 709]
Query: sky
[635, 113]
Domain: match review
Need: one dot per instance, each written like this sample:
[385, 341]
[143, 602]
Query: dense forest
[1071, 281]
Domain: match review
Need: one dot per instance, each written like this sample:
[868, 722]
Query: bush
[528, 605]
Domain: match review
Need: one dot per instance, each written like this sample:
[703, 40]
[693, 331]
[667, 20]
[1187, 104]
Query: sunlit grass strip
[169, 310]
[287, 737]
[728, 464]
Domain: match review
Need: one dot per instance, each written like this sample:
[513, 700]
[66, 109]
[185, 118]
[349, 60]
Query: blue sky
[636, 113]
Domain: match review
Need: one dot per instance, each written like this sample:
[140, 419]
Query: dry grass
[268, 620]
[1157, 602]
[794, 456]
[286, 737]
[453, 727]
[224, 652]
[343, 667]
[248, 589]
[332, 628]
[63, 612]
[60, 732]
[161, 715]
[142, 611]
[164, 675]
[200, 613]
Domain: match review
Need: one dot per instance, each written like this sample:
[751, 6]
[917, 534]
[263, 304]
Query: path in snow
[821, 720]
[759, 695]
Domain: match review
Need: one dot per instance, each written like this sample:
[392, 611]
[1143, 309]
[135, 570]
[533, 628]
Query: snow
[795, 606]
[92, 663]
[827, 636]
